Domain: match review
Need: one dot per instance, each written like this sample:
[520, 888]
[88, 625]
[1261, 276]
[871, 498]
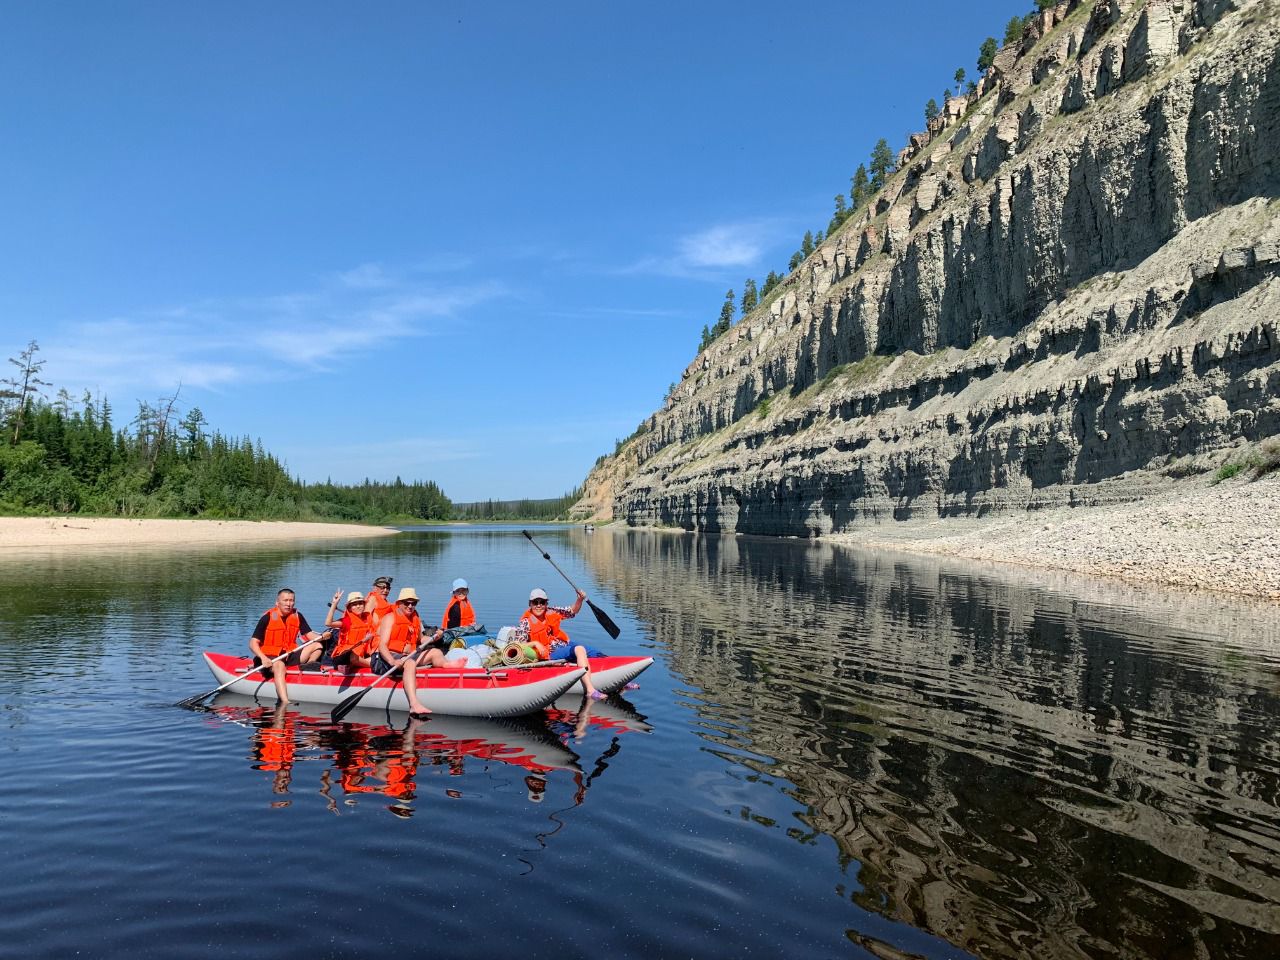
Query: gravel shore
[1224, 538]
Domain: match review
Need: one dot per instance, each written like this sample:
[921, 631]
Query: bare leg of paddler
[580, 657]
[277, 677]
[411, 686]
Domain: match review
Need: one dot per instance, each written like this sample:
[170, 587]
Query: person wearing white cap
[540, 626]
[459, 612]
[399, 648]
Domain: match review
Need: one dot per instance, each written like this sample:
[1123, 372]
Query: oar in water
[192, 701]
[349, 704]
[610, 627]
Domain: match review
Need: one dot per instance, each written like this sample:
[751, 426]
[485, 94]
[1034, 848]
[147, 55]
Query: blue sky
[470, 243]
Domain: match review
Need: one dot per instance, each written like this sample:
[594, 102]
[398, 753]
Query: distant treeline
[555, 508]
[70, 457]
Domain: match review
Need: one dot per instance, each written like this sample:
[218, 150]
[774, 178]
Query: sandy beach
[17, 533]
[1223, 538]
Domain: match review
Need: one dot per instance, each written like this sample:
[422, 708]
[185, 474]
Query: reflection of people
[354, 630]
[540, 626]
[399, 634]
[537, 787]
[277, 631]
[274, 749]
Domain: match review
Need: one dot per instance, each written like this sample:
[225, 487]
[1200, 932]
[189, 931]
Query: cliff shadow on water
[1035, 767]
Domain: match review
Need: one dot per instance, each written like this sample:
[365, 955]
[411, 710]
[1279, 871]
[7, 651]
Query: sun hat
[537, 593]
[383, 582]
[407, 593]
[460, 584]
[353, 596]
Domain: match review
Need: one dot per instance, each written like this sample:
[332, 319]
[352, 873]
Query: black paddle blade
[194, 701]
[349, 704]
[610, 627]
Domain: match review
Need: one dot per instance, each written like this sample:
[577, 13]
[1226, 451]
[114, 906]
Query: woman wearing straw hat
[399, 636]
[355, 628]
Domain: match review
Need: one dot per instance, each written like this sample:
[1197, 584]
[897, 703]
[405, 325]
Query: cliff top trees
[881, 163]
[987, 53]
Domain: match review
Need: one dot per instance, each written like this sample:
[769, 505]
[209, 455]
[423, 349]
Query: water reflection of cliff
[1019, 768]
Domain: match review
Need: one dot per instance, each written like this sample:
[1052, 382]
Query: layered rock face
[1068, 293]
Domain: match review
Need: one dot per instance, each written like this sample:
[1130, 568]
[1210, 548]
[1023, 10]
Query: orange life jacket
[545, 633]
[404, 632]
[352, 634]
[466, 614]
[376, 607]
[281, 633]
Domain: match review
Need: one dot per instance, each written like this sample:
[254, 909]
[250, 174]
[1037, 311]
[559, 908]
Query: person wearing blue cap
[459, 612]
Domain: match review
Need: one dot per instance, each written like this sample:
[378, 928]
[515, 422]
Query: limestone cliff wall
[1069, 289]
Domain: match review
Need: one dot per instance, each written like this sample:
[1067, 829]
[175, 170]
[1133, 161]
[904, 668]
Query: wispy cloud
[708, 253]
[216, 343]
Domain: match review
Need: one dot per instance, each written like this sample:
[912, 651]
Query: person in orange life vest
[354, 630]
[399, 635]
[376, 603]
[278, 631]
[459, 612]
[540, 626]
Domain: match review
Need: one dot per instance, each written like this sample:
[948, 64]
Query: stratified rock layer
[1066, 294]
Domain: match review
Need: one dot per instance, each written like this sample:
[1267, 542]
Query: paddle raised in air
[610, 627]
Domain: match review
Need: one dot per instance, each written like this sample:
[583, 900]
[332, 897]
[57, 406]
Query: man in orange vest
[540, 626]
[376, 603]
[277, 632]
[399, 637]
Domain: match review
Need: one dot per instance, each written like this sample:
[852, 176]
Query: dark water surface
[837, 753]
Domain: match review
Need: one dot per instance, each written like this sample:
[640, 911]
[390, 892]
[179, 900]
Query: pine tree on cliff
[987, 54]
[749, 296]
[797, 258]
[881, 163]
[959, 78]
[859, 186]
[1013, 30]
[930, 111]
[806, 245]
[771, 281]
[726, 316]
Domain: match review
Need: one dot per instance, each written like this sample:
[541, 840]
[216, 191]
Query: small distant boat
[501, 692]
[591, 528]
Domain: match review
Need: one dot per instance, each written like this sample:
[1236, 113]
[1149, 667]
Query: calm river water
[837, 753]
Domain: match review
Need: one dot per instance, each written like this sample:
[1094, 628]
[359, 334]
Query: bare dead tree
[23, 385]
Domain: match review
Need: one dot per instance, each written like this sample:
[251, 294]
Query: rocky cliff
[1067, 293]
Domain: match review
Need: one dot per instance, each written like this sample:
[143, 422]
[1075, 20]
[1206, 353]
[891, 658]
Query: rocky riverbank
[1189, 534]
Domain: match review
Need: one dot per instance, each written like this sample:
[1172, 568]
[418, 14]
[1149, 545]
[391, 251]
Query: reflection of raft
[504, 692]
[614, 715]
[518, 742]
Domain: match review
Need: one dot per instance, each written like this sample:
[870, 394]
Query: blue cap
[460, 584]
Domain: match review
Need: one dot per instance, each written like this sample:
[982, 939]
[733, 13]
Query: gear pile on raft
[378, 653]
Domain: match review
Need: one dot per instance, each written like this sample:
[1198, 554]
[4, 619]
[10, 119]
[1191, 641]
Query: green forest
[66, 456]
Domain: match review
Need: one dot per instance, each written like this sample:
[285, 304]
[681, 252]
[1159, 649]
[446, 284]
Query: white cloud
[708, 253]
[215, 344]
[727, 245]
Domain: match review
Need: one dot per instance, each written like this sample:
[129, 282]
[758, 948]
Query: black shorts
[341, 660]
[291, 660]
[380, 666]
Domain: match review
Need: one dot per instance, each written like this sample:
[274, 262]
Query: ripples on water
[839, 753]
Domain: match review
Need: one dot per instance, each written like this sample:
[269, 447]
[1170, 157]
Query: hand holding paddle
[192, 701]
[610, 627]
[349, 704]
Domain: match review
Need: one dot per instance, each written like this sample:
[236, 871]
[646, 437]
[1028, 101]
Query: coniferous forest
[79, 456]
